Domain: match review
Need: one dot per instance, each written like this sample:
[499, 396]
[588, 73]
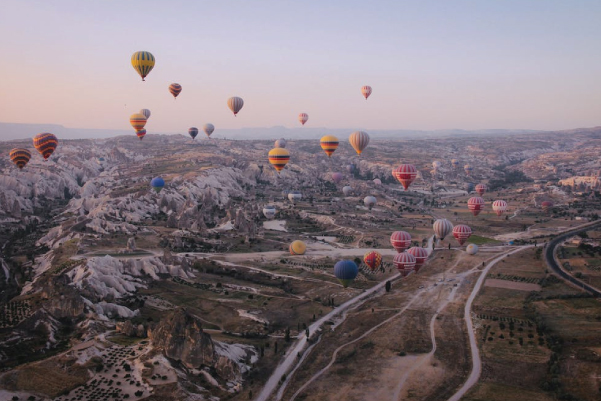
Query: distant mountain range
[15, 131]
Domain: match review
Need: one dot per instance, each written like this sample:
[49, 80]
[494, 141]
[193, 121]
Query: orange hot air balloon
[279, 157]
[20, 157]
[175, 89]
[45, 143]
[303, 118]
[137, 121]
[329, 144]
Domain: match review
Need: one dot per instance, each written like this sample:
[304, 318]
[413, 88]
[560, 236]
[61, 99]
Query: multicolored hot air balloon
[499, 207]
[400, 240]
[475, 204]
[146, 113]
[337, 177]
[193, 131]
[45, 143]
[471, 249]
[20, 157]
[297, 247]
[345, 271]
[442, 228]
[208, 129]
[347, 190]
[235, 104]
[369, 201]
[454, 163]
[359, 141]
[546, 206]
[157, 183]
[281, 143]
[420, 254]
[140, 133]
[481, 189]
[373, 260]
[295, 196]
[405, 174]
[269, 211]
[366, 91]
[175, 89]
[137, 121]
[143, 63]
[279, 157]
[303, 118]
[404, 262]
[461, 232]
[329, 144]
[468, 169]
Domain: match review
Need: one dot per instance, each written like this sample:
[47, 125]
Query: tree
[287, 335]
[388, 286]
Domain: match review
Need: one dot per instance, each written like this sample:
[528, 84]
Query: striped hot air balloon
[404, 262]
[468, 169]
[146, 113]
[454, 163]
[20, 157]
[45, 143]
[279, 157]
[137, 121]
[366, 91]
[420, 254]
[329, 144]
[475, 204]
[281, 143]
[269, 211]
[345, 271]
[193, 131]
[143, 63]
[141, 133]
[442, 228]
[208, 129]
[303, 118]
[405, 174]
[297, 248]
[235, 104]
[337, 177]
[295, 196]
[499, 207]
[359, 141]
[481, 189]
[400, 240]
[175, 89]
[373, 260]
[461, 232]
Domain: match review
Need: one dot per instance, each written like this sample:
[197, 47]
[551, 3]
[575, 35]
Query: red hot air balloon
[405, 174]
[461, 232]
[499, 207]
[400, 240]
[475, 205]
[420, 254]
[175, 89]
[366, 91]
[404, 262]
[373, 260]
[481, 189]
[303, 118]
[546, 205]
[45, 143]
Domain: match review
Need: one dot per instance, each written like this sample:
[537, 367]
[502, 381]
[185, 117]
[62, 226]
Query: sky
[465, 64]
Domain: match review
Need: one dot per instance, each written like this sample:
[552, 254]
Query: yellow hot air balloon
[138, 121]
[143, 63]
[298, 248]
[329, 144]
[279, 157]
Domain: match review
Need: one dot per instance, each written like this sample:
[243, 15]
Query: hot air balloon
[269, 211]
[359, 141]
[469, 187]
[297, 248]
[345, 271]
[279, 157]
[20, 157]
[208, 129]
[157, 183]
[400, 240]
[404, 262]
[140, 133]
[329, 144]
[455, 163]
[369, 201]
[475, 204]
[442, 228]
[337, 177]
[193, 131]
[347, 190]
[405, 174]
[481, 189]
[235, 104]
[303, 118]
[350, 168]
[546, 206]
[436, 164]
[175, 89]
[366, 91]
[471, 249]
[499, 207]
[146, 113]
[377, 181]
[373, 260]
[420, 254]
[294, 196]
[143, 63]
[281, 143]
[468, 169]
[461, 232]
[45, 143]
[137, 121]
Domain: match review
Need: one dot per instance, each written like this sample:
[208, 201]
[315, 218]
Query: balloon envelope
[143, 63]
[461, 232]
[137, 121]
[359, 141]
[208, 129]
[45, 143]
[297, 248]
[281, 143]
[442, 228]
[329, 144]
[337, 177]
[347, 190]
[279, 157]
[193, 131]
[400, 240]
[235, 104]
[373, 260]
[420, 254]
[175, 89]
[20, 157]
[366, 91]
[369, 201]
[404, 262]
[303, 118]
[146, 113]
[157, 183]
[472, 249]
[405, 174]
[269, 211]
[345, 271]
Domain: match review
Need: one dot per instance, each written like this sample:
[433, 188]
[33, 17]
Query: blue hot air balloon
[469, 187]
[157, 183]
[345, 271]
[350, 168]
